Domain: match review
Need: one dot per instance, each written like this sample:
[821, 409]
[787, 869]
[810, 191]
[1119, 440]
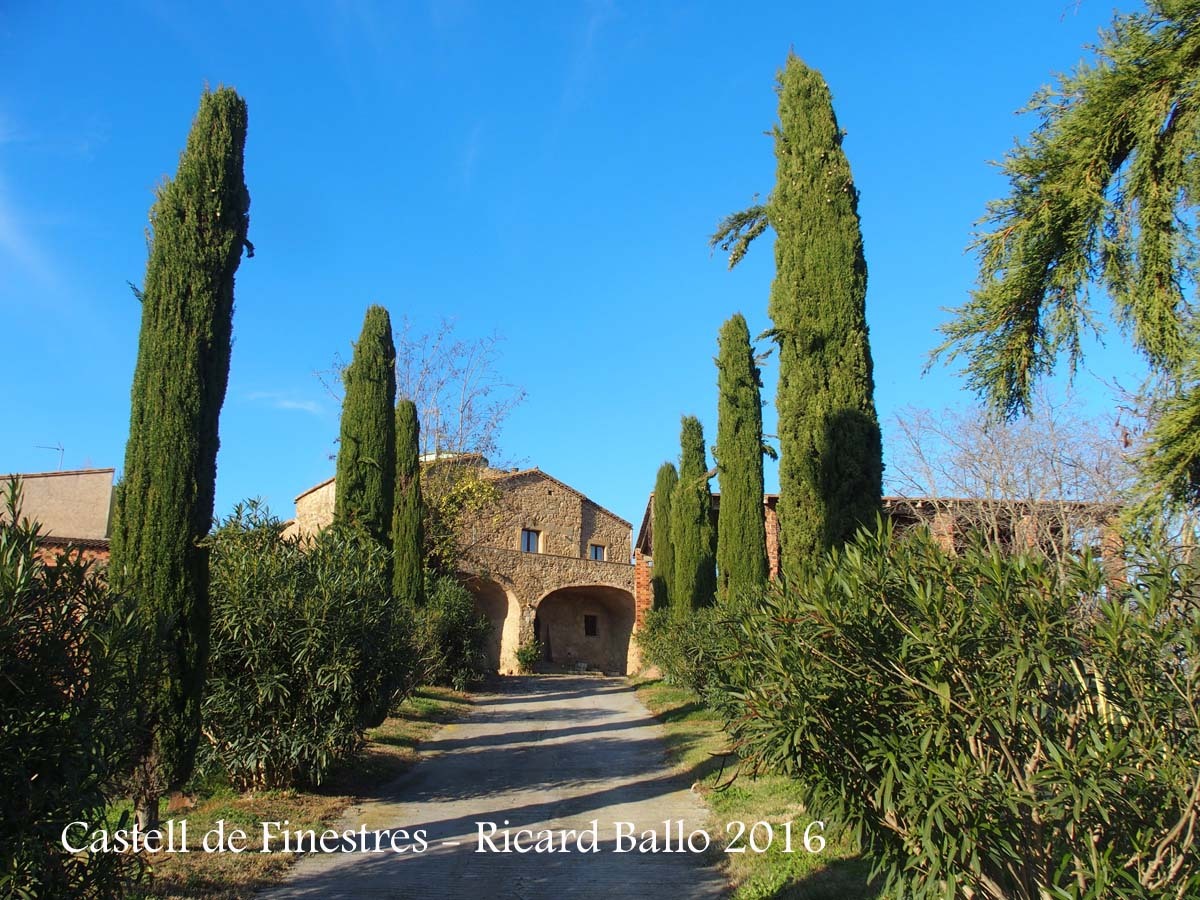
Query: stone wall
[567, 521]
[530, 577]
[314, 511]
[772, 523]
[503, 611]
[592, 626]
[602, 527]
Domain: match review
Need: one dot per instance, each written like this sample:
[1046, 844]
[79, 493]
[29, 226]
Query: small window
[531, 541]
[596, 551]
[590, 626]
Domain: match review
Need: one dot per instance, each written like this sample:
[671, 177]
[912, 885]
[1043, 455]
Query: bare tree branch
[461, 398]
[1045, 480]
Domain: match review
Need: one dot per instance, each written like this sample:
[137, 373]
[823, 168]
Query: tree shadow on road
[511, 689]
[453, 868]
[517, 736]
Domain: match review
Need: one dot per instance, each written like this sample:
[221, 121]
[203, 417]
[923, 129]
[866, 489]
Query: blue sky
[548, 170]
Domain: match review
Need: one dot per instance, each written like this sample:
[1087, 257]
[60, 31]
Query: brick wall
[49, 550]
[643, 591]
[772, 541]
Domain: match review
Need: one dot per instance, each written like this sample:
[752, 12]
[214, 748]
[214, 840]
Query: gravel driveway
[542, 753]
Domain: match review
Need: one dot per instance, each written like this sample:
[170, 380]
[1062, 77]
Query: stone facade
[314, 510]
[531, 568]
[529, 563]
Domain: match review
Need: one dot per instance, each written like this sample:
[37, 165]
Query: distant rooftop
[75, 504]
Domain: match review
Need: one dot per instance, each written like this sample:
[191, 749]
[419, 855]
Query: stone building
[1010, 523]
[545, 562]
[73, 508]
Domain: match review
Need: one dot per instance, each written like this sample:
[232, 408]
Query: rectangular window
[590, 626]
[596, 551]
[531, 541]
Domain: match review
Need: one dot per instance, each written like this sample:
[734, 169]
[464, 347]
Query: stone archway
[504, 613]
[589, 624]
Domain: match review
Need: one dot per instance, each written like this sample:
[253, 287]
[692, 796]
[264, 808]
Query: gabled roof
[57, 474]
[79, 543]
[315, 487]
[645, 537]
[500, 475]
[74, 504]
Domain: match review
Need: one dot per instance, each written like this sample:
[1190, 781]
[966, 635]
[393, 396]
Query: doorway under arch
[504, 613]
[589, 624]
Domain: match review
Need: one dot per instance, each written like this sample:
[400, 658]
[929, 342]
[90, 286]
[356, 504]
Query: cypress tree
[831, 456]
[198, 227]
[691, 525]
[407, 534]
[741, 528]
[366, 460]
[664, 549]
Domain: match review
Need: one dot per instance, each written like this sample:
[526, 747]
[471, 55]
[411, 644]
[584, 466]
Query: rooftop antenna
[59, 447]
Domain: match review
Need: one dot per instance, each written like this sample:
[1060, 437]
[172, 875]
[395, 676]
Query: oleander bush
[688, 651]
[451, 635]
[306, 647]
[353, 571]
[68, 678]
[990, 726]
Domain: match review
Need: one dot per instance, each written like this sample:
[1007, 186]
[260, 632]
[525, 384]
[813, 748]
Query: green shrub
[305, 648]
[689, 651]
[529, 655]
[452, 635]
[68, 678]
[351, 571]
[989, 725]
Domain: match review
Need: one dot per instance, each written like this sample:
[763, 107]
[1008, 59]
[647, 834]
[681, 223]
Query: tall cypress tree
[198, 227]
[691, 525]
[741, 527]
[366, 460]
[664, 549]
[831, 453]
[407, 535]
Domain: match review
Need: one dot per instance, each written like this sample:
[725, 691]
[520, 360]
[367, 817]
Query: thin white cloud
[77, 138]
[583, 57]
[278, 400]
[18, 246]
[308, 406]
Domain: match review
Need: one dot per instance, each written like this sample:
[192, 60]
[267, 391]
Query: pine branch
[738, 230]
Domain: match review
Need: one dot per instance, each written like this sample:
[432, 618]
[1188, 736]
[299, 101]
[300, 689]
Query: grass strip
[390, 750]
[697, 743]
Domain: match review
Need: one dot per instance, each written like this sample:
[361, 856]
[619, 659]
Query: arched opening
[503, 612]
[587, 624]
